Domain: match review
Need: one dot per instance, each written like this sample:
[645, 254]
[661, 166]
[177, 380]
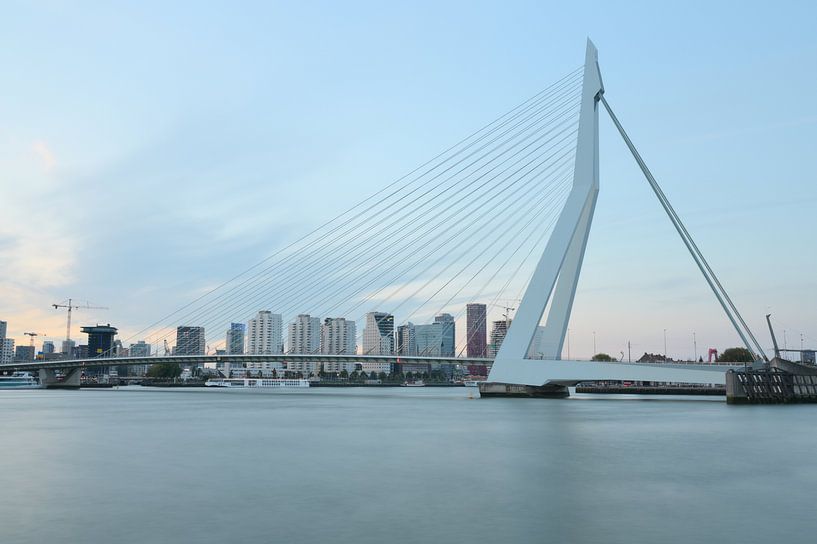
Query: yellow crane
[71, 306]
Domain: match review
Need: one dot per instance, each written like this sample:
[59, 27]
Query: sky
[150, 150]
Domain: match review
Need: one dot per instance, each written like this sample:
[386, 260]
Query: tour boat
[19, 380]
[265, 383]
[418, 383]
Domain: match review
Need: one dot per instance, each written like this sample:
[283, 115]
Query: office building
[24, 353]
[406, 340]
[498, 333]
[429, 339]
[378, 335]
[304, 335]
[48, 347]
[3, 329]
[189, 340]
[265, 334]
[140, 349]
[6, 350]
[476, 330]
[68, 348]
[100, 340]
[338, 336]
[448, 336]
[79, 352]
[235, 339]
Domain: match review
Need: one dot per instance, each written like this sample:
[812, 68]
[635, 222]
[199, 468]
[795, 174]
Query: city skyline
[636, 281]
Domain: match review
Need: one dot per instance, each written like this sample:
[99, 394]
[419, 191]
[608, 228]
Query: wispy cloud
[44, 154]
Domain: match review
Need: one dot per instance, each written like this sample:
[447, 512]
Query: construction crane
[32, 335]
[71, 306]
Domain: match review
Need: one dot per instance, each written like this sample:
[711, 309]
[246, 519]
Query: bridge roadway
[530, 371]
[65, 364]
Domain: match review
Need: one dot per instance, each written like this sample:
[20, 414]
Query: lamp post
[694, 346]
[665, 345]
[594, 343]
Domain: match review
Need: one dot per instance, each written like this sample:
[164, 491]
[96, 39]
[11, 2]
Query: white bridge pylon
[556, 276]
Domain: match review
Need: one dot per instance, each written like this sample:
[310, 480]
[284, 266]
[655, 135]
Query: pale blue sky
[148, 151]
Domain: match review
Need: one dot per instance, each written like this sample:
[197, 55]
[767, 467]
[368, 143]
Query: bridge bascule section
[459, 229]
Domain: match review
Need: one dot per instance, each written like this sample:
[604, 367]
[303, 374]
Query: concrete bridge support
[48, 379]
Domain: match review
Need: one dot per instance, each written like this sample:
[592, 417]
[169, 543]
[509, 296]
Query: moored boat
[19, 380]
[259, 383]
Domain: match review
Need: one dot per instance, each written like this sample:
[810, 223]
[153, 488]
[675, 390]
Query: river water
[139, 465]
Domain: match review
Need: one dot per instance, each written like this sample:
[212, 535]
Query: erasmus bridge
[503, 214]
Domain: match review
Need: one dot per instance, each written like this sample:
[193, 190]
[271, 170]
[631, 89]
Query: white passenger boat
[19, 380]
[472, 383]
[265, 383]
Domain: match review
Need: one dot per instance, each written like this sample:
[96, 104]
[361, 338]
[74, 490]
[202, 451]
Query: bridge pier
[548, 391]
[48, 379]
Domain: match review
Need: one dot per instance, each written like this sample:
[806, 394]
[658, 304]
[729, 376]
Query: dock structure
[778, 382]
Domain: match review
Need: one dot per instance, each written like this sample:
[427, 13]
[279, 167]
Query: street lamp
[694, 346]
[665, 345]
[594, 343]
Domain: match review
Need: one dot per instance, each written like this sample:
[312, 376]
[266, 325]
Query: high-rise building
[429, 339]
[448, 335]
[378, 335]
[338, 336]
[304, 335]
[68, 348]
[140, 349]
[406, 340]
[79, 352]
[235, 339]
[3, 327]
[100, 340]
[24, 353]
[476, 330]
[189, 340]
[6, 350]
[265, 334]
[48, 347]
[497, 336]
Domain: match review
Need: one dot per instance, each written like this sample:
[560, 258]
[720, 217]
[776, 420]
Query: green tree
[602, 357]
[164, 370]
[736, 355]
[344, 374]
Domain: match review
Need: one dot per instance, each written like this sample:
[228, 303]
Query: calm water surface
[400, 465]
